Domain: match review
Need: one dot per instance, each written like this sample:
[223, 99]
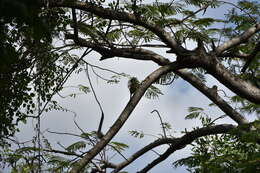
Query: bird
[133, 85]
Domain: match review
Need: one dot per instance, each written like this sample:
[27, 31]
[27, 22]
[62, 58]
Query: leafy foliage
[136, 134]
[222, 153]
[195, 112]
[26, 36]
[153, 92]
[32, 68]
[237, 151]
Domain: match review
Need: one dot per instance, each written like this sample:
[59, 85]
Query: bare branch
[239, 39]
[234, 83]
[191, 15]
[63, 152]
[64, 133]
[142, 151]
[213, 96]
[235, 55]
[163, 127]
[99, 131]
[133, 53]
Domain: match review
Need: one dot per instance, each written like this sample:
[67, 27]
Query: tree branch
[235, 55]
[238, 40]
[187, 139]
[133, 53]
[234, 83]
[142, 151]
[251, 57]
[64, 152]
[213, 96]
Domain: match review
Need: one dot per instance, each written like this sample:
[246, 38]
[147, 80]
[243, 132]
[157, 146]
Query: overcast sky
[114, 97]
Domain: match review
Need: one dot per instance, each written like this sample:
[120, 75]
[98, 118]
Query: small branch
[99, 131]
[142, 151]
[163, 128]
[64, 133]
[235, 55]
[99, 76]
[63, 152]
[75, 26]
[241, 9]
[220, 117]
[194, 13]
[251, 57]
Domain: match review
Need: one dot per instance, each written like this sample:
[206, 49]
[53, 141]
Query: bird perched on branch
[133, 85]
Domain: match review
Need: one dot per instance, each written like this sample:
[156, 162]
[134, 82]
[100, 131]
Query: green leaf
[204, 21]
[193, 115]
[83, 88]
[136, 134]
[27, 149]
[166, 79]
[119, 146]
[153, 92]
[76, 146]
[193, 109]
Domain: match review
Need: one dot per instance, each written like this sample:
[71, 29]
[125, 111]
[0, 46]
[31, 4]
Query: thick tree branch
[144, 150]
[124, 115]
[187, 139]
[234, 83]
[213, 96]
[206, 61]
[238, 40]
[133, 53]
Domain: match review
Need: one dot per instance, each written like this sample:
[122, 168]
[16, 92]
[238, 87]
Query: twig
[99, 131]
[163, 127]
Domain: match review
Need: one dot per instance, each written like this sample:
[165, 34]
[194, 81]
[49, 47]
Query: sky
[172, 106]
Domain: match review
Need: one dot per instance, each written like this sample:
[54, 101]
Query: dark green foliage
[26, 33]
[222, 153]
